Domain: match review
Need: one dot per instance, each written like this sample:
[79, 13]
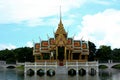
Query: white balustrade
[48, 64]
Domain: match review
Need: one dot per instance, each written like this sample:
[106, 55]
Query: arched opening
[50, 72]
[40, 72]
[10, 67]
[72, 72]
[92, 72]
[30, 72]
[82, 72]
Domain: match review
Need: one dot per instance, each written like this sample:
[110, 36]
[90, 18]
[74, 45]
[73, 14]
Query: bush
[116, 66]
[20, 67]
[103, 67]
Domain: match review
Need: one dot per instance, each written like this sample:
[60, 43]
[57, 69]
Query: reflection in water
[109, 74]
[62, 77]
[11, 74]
[14, 74]
[104, 75]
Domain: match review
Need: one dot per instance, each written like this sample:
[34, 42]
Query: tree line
[19, 54]
[25, 54]
[104, 53]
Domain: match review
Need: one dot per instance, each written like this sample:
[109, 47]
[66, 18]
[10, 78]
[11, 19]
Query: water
[11, 74]
[14, 74]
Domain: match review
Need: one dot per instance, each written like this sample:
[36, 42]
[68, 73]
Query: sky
[23, 22]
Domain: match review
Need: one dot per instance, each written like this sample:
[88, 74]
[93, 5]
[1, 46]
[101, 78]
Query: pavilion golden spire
[60, 29]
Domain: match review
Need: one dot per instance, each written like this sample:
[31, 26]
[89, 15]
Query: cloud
[16, 11]
[29, 44]
[7, 46]
[102, 28]
[50, 22]
[103, 2]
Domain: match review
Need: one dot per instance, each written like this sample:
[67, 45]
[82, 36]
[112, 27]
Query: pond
[15, 74]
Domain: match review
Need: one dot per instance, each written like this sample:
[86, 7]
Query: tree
[24, 54]
[19, 54]
[8, 56]
[104, 52]
[92, 50]
[2, 55]
[116, 54]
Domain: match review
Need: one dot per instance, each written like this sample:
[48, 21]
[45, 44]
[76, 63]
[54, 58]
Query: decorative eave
[76, 51]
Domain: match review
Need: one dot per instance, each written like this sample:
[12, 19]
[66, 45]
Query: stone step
[61, 70]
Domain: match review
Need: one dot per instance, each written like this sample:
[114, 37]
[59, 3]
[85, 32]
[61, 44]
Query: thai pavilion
[61, 55]
[61, 48]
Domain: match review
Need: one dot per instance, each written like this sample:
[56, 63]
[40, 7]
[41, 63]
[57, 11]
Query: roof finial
[60, 29]
[60, 15]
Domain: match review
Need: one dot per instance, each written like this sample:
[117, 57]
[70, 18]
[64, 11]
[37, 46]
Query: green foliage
[103, 67]
[116, 54]
[104, 53]
[10, 60]
[19, 54]
[21, 67]
[8, 56]
[24, 54]
[116, 66]
[92, 49]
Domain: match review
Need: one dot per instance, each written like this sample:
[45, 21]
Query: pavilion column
[50, 57]
[53, 57]
[56, 53]
[35, 58]
[41, 56]
[86, 57]
[80, 56]
[65, 54]
[69, 55]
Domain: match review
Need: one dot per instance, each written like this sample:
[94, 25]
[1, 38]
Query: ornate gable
[61, 40]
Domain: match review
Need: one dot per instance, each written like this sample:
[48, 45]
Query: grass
[21, 67]
[116, 66]
[103, 67]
